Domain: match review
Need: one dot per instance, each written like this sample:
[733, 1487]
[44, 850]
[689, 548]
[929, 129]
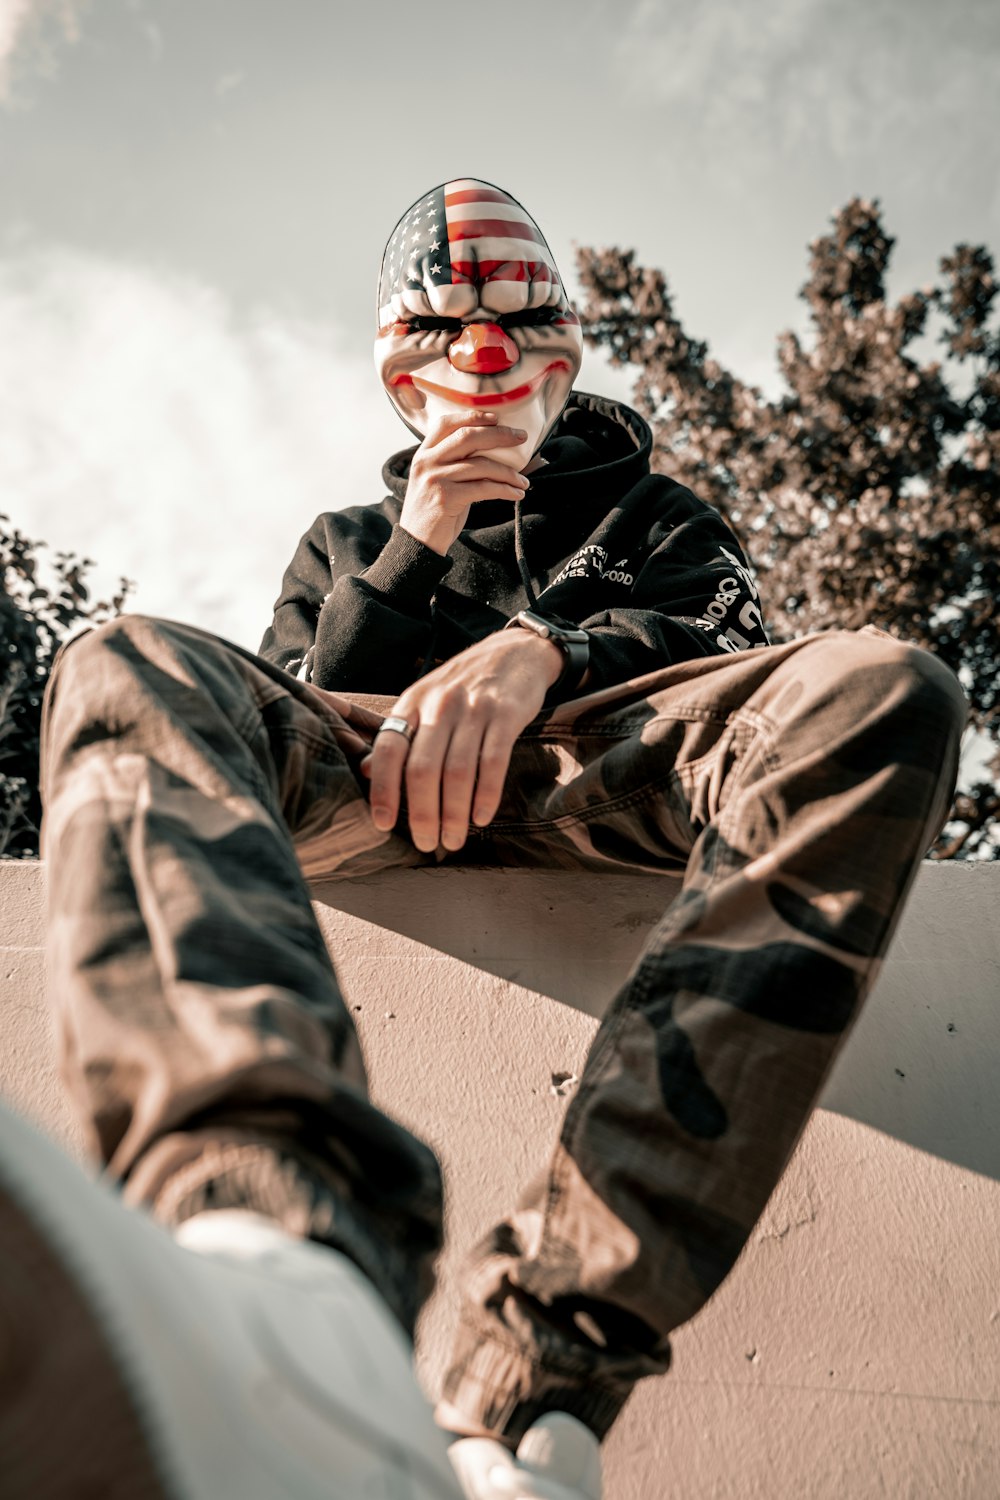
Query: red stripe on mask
[478, 195]
[506, 229]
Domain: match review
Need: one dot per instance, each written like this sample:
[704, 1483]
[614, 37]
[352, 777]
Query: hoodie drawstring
[428, 660]
[519, 552]
[525, 579]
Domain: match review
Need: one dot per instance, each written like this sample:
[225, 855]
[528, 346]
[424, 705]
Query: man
[573, 672]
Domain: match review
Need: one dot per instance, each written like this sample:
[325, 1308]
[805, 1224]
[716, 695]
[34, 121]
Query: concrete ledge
[855, 1350]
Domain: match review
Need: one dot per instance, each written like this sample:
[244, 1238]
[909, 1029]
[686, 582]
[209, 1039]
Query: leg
[202, 1031]
[802, 785]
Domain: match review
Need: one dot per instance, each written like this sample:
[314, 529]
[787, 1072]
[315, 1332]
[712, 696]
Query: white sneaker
[558, 1459]
[260, 1368]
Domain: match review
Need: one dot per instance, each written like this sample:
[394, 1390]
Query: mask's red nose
[484, 349]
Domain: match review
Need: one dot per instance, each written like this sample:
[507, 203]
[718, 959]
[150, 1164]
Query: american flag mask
[473, 315]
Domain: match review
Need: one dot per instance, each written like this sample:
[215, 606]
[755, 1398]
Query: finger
[458, 781]
[424, 767]
[466, 440]
[494, 763]
[482, 468]
[451, 421]
[351, 742]
[352, 737]
[469, 491]
[341, 706]
[387, 761]
[365, 719]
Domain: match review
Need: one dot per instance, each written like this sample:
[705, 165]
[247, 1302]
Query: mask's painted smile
[480, 399]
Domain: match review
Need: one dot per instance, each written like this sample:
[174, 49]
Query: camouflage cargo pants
[190, 787]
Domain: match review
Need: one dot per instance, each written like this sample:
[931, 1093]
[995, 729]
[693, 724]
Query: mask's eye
[530, 317]
[421, 324]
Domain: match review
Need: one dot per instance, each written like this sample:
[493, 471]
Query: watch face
[561, 628]
[473, 316]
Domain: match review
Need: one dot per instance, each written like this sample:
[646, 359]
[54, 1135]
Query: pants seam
[569, 729]
[317, 744]
[676, 775]
[588, 814]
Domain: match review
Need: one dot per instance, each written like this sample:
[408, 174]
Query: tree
[36, 617]
[868, 491]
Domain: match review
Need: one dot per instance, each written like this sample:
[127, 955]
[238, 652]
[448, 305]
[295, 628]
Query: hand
[452, 469]
[356, 735]
[467, 715]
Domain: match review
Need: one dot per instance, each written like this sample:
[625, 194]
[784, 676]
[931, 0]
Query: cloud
[228, 82]
[26, 31]
[794, 73]
[151, 427]
[14, 16]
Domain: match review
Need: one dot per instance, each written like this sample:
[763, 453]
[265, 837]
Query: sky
[194, 197]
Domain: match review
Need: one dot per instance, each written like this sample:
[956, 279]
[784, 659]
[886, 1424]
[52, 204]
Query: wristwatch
[574, 642]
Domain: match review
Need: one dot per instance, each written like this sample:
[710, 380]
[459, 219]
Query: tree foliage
[37, 614]
[869, 490]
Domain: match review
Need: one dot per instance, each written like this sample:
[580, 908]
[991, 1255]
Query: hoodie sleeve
[694, 595]
[361, 631]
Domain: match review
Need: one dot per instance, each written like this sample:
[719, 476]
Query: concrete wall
[855, 1350]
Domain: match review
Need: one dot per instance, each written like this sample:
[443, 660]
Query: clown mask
[473, 316]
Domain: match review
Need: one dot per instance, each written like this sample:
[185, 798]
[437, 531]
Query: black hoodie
[653, 574]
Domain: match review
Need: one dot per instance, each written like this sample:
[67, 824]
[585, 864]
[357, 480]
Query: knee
[915, 682]
[114, 636]
[875, 675]
[92, 673]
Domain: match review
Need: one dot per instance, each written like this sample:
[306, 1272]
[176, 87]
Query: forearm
[368, 630]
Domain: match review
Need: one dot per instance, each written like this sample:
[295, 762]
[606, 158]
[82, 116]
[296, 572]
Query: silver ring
[398, 726]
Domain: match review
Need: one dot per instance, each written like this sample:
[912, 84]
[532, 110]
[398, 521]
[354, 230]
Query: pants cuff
[502, 1388]
[308, 1201]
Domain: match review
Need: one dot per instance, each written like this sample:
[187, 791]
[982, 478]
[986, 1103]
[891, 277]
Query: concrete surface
[855, 1350]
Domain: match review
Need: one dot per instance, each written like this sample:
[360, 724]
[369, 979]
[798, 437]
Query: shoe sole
[69, 1426]
[110, 1384]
